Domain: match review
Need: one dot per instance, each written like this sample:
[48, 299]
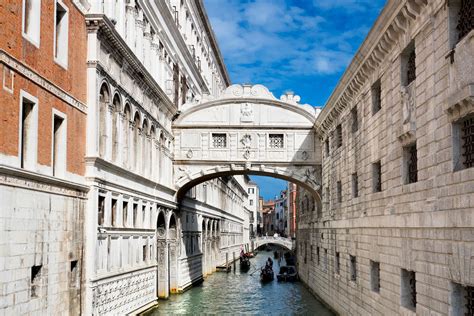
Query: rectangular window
[143, 216]
[410, 164]
[376, 97]
[339, 136]
[355, 185]
[35, 281]
[101, 210]
[408, 65]
[339, 191]
[145, 250]
[113, 213]
[461, 20]
[276, 140]
[353, 268]
[31, 21]
[125, 213]
[376, 177]
[338, 263]
[135, 214]
[325, 260]
[74, 274]
[219, 140]
[311, 253]
[59, 146]
[61, 29]
[463, 142]
[408, 289]
[375, 276]
[28, 133]
[317, 255]
[251, 202]
[355, 120]
[462, 299]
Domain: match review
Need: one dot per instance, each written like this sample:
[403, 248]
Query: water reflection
[243, 293]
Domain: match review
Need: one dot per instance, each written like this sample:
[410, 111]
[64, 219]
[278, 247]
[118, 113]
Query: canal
[242, 292]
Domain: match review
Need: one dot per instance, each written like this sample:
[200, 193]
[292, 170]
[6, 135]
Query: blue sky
[298, 45]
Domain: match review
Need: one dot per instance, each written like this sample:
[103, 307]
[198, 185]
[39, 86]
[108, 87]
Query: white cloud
[266, 41]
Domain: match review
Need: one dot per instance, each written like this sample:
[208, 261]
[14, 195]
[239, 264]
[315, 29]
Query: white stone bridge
[287, 243]
[247, 131]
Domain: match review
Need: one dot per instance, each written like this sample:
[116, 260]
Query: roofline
[212, 39]
[392, 11]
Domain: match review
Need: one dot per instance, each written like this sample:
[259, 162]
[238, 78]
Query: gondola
[244, 263]
[266, 275]
[287, 274]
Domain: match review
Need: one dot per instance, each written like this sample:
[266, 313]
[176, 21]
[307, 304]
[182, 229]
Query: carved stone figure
[407, 104]
[246, 140]
[246, 113]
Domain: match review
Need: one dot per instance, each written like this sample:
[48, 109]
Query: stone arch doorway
[162, 255]
[167, 232]
[173, 253]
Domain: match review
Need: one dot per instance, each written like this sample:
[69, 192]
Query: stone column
[130, 24]
[173, 266]
[163, 269]
[155, 58]
[147, 53]
[139, 28]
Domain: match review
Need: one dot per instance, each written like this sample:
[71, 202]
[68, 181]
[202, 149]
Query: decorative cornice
[100, 23]
[41, 81]
[394, 19]
[29, 180]
[212, 39]
[183, 48]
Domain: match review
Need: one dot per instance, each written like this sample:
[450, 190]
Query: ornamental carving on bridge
[246, 140]
[246, 113]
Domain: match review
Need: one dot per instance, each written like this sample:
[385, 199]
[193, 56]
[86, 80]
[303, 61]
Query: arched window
[115, 128]
[161, 225]
[145, 146]
[104, 100]
[126, 134]
[151, 154]
[136, 141]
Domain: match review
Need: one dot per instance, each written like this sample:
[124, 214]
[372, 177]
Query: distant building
[268, 210]
[281, 214]
[292, 207]
[252, 204]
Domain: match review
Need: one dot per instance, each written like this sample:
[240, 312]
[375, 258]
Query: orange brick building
[42, 147]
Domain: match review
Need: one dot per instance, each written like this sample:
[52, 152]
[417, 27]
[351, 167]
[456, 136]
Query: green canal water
[243, 293]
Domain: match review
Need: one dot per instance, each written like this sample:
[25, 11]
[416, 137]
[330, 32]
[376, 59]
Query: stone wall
[371, 248]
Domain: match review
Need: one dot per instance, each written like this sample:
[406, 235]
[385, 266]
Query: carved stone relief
[246, 112]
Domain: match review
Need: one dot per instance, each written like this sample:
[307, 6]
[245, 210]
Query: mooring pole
[233, 257]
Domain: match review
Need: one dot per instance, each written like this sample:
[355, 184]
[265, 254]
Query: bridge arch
[285, 243]
[247, 131]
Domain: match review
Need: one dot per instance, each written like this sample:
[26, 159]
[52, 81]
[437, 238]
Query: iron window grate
[276, 140]
[411, 67]
[219, 140]
[466, 18]
[412, 164]
[467, 136]
[469, 301]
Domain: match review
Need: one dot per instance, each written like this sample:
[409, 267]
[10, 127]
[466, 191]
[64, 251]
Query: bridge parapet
[287, 243]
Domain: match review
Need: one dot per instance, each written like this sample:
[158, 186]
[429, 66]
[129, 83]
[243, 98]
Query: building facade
[42, 146]
[89, 93]
[395, 233]
[253, 206]
[281, 214]
[292, 209]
